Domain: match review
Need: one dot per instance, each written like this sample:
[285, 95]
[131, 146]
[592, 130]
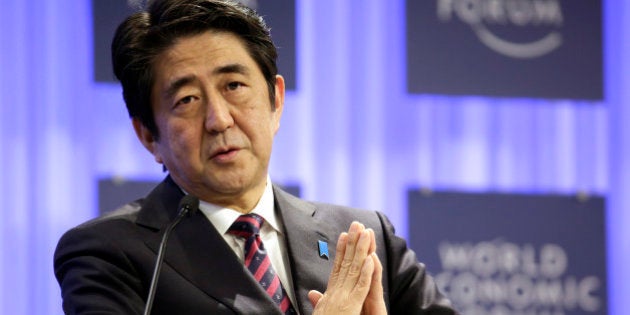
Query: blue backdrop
[350, 133]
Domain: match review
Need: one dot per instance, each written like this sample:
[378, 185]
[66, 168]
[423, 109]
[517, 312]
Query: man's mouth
[225, 154]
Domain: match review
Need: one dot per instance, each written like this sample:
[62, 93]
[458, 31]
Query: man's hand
[354, 286]
[374, 303]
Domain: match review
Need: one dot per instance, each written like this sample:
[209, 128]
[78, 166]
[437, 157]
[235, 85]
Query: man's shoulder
[128, 212]
[110, 232]
[342, 209]
[279, 191]
[337, 214]
[112, 227]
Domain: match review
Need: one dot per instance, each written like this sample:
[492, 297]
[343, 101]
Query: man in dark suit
[200, 83]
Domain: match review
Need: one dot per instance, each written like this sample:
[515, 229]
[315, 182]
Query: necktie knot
[247, 225]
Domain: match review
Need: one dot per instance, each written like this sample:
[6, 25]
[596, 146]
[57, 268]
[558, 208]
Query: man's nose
[218, 115]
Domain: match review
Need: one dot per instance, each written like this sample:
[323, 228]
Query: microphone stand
[188, 205]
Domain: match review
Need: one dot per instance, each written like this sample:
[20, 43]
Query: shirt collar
[222, 218]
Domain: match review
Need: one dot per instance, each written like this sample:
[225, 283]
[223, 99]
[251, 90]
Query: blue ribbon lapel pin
[323, 249]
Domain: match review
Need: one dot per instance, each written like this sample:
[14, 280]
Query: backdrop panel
[511, 254]
[525, 48]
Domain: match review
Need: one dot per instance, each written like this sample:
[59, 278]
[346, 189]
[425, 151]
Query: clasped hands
[354, 286]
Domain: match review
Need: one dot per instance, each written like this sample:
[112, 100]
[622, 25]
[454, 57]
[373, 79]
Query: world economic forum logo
[522, 29]
[507, 278]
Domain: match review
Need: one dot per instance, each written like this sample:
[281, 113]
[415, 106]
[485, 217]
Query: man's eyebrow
[231, 68]
[177, 84]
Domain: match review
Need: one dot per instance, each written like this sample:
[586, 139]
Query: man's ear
[147, 138]
[279, 101]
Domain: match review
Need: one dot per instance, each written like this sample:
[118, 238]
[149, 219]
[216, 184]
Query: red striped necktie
[256, 260]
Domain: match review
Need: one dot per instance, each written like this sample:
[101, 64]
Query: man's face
[212, 109]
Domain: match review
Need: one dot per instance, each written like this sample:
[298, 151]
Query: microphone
[187, 206]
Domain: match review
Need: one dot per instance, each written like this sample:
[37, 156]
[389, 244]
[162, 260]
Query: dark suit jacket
[105, 266]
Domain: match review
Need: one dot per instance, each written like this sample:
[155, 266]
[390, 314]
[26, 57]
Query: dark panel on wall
[279, 15]
[524, 48]
[106, 16]
[513, 254]
[115, 192]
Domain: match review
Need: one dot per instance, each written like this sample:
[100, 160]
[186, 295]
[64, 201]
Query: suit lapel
[199, 253]
[303, 230]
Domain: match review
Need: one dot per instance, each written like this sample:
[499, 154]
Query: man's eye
[185, 100]
[234, 85]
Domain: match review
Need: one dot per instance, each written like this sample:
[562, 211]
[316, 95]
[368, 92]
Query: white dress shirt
[270, 233]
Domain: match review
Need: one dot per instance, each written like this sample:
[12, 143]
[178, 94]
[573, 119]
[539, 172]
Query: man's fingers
[314, 296]
[339, 256]
[374, 303]
[377, 275]
[373, 242]
[355, 281]
[351, 271]
[364, 282]
[354, 233]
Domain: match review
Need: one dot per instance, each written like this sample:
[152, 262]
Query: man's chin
[230, 186]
